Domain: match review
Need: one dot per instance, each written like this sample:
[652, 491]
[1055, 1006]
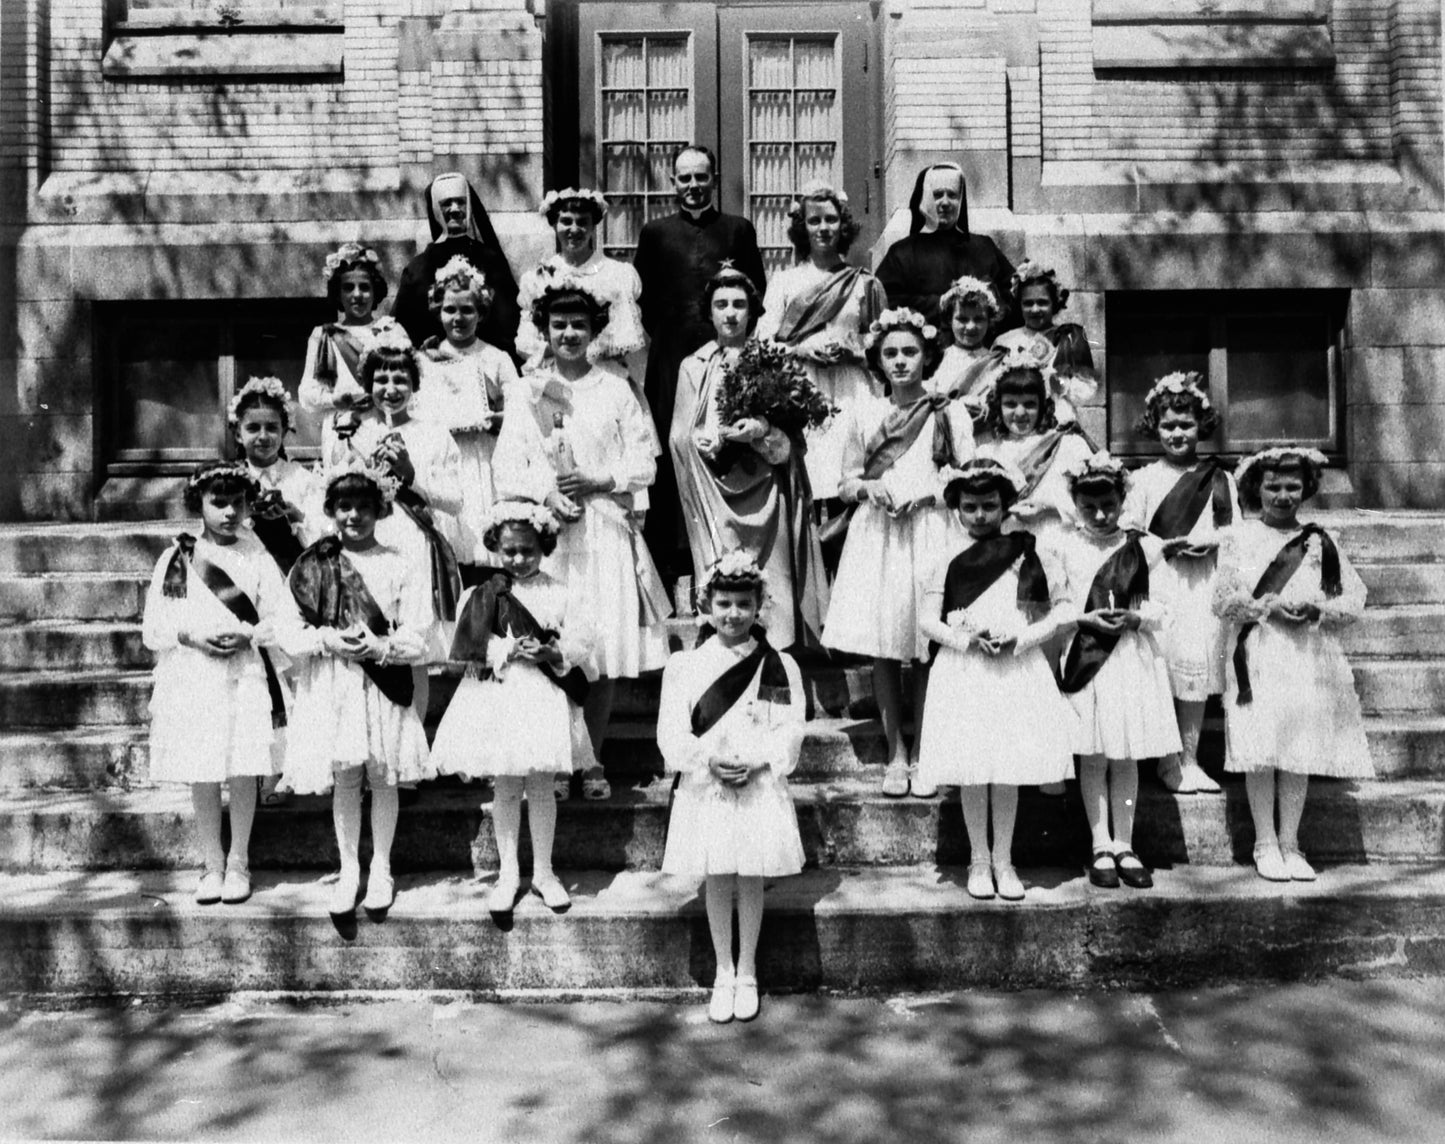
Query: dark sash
[1279, 573]
[805, 316]
[1071, 349]
[901, 427]
[446, 582]
[236, 602]
[974, 570]
[332, 594]
[492, 610]
[1125, 577]
[1196, 487]
[1038, 459]
[337, 341]
[977, 369]
[276, 534]
[732, 684]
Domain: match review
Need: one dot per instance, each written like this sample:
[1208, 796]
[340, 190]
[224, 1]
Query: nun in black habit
[919, 269]
[459, 225]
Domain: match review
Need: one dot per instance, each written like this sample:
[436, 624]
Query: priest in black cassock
[919, 269]
[675, 258]
[459, 226]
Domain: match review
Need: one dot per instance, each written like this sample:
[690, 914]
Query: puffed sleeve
[407, 644]
[681, 749]
[1346, 608]
[313, 393]
[636, 468]
[787, 723]
[439, 472]
[1233, 599]
[623, 334]
[1135, 513]
[521, 466]
[164, 615]
[577, 640]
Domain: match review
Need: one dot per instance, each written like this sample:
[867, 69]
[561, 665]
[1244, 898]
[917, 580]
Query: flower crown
[349, 254]
[986, 467]
[1265, 457]
[386, 484]
[537, 516]
[584, 194]
[968, 288]
[391, 337]
[900, 319]
[271, 388]
[737, 565]
[218, 470]
[1030, 271]
[1180, 382]
[459, 273]
[1031, 355]
[569, 282]
[816, 189]
[1099, 464]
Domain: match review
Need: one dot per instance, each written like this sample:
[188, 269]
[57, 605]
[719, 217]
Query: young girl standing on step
[987, 606]
[1114, 672]
[366, 616]
[1290, 705]
[1061, 349]
[517, 715]
[284, 516]
[969, 366]
[213, 613]
[1186, 503]
[894, 448]
[731, 720]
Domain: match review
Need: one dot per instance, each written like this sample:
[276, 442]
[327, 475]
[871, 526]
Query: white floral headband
[735, 565]
[392, 337]
[349, 254]
[967, 289]
[900, 319]
[581, 194]
[1178, 382]
[458, 271]
[228, 470]
[538, 517]
[1032, 356]
[986, 467]
[1030, 271]
[817, 189]
[271, 388]
[1099, 464]
[386, 484]
[1267, 458]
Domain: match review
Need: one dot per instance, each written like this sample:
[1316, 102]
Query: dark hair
[977, 483]
[257, 399]
[388, 357]
[353, 485]
[227, 480]
[721, 583]
[932, 355]
[1026, 381]
[699, 148]
[730, 277]
[378, 283]
[1189, 401]
[569, 300]
[1252, 478]
[1059, 295]
[492, 537]
[798, 223]
[576, 206]
[1096, 484]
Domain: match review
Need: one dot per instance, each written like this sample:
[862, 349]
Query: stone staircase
[96, 863]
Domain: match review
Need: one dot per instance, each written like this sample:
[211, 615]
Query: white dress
[458, 386]
[844, 381]
[1305, 716]
[750, 830]
[1048, 512]
[1127, 710]
[874, 603]
[317, 396]
[211, 716]
[957, 363]
[341, 719]
[301, 488]
[1193, 636]
[1069, 391]
[602, 557]
[519, 722]
[996, 719]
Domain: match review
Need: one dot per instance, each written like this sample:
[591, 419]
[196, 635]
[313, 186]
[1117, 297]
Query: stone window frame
[1194, 35]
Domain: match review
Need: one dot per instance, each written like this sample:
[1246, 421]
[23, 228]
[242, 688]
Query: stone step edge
[841, 929]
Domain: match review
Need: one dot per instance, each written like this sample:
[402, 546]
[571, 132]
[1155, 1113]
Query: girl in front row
[1186, 503]
[366, 614]
[987, 605]
[894, 448]
[731, 720]
[1290, 705]
[1114, 672]
[517, 714]
[213, 613]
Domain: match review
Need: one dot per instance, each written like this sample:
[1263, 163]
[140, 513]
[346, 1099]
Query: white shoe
[980, 880]
[1171, 775]
[380, 892]
[720, 1007]
[550, 889]
[1010, 885]
[237, 886]
[745, 998]
[210, 888]
[895, 780]
[1295, 865]
[344, 893]
[1193, 780]
[503, 897]
[1269, 863]
[917, 787]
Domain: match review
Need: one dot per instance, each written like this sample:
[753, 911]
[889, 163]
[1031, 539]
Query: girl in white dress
[1061, 349]
[822, 309]
[1290, 705]
[365, 618]
[1186, 503]
[465, 382]
[969, 366]
[987, 606]
[731, 720]
[516, 715]
[576, 439]
[894, 449]
[213, 613]
[1114, 673]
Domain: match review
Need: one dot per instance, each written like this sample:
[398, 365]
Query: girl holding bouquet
[736, 439]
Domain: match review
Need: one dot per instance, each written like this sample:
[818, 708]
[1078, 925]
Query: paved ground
[1342, 1061]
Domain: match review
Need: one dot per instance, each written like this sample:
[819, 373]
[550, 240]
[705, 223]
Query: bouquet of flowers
[766, 381]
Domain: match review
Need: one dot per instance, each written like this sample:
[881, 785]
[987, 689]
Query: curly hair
[378, 282]
[388, 357]
[574, 206]
[437, 292]
[568, 299]
[978, 484]
[724, 583]
[1095, 484]
[228, 482]
[492, 537]
[1251, 478]
[1025, 381]
[728, 276]
[1059, 295]
[357, 486]
[1189, 401]
[932, 354]
[848, 227]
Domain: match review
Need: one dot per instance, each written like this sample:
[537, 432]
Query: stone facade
[1133, 144]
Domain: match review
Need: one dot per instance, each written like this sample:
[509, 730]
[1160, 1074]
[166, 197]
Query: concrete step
[844, 822]
[841, 929]
[65, 645]
[1391, 585]
[134, 548]
[1401, 686]
[1404, 631]
[73, 596]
